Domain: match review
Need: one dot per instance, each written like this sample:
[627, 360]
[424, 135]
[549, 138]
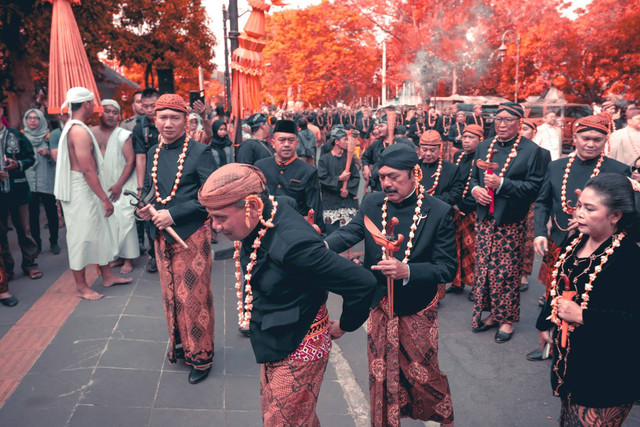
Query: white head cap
[112, 103]
[76, 95]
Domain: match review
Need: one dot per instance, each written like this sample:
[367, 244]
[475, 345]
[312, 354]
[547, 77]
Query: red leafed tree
[328, 50]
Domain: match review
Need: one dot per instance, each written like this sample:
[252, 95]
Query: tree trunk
[454, 81]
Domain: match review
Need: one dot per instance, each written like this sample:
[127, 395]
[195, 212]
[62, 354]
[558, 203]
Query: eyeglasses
[634, 169]
[506, 120]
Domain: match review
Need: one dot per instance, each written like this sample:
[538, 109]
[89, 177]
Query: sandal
[34, 274]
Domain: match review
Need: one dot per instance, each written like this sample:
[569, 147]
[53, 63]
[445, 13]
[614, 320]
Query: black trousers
[50, 208]
[28, 247]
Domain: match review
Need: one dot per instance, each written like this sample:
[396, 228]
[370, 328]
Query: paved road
[67, 362]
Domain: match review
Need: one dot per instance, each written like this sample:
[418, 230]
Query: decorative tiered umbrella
[247, 61]
[68, 63]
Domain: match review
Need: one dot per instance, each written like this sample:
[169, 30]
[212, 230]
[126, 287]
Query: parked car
[567, 115]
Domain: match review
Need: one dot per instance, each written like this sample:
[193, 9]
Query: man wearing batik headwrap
[176, 169]
[557, 198]
[511, 188]
[371, 156]
[287, 175]
[286, 272]
[456, 130]
[85, 204]
[256, 148]
[440, 178]
[117, 176]
[464, 213]
[405, 378]
[476, 118]
[16, 157]
[339, 203]
[422, 122]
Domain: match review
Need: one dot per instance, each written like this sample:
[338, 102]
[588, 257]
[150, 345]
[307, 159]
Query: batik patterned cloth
[499, 251]
[465, 248]
[185, 279]
[572, 415]
[289, 388]
[405, 380]
[4, 277]
[546, 267]
[528, 253]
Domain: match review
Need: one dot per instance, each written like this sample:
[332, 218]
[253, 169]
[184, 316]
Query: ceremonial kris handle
[311, 219]
[353, 140]
[140, 203]
[390, 226]
[567, 295]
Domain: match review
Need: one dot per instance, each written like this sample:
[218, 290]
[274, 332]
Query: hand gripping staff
[389, 246]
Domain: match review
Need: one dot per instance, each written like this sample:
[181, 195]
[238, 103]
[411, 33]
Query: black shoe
[542, 301]
[152, 267]
[536, 356]
[454, 290]
[502, 337]
[197, 376]
[244, 332]
[9, 301]
[524, 287]
[55, 249]
[471, 298]
[485, 327]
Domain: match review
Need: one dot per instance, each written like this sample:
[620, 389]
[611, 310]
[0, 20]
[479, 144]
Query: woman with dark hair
[221, 146]
[594, 304]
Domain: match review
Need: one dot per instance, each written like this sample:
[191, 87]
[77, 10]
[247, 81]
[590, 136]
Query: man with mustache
[405, 379]
[287, 175]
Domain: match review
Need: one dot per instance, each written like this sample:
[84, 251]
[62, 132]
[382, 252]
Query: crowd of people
[438, 197]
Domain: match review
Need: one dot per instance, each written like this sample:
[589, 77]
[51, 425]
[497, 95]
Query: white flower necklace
[437, 176]
[414, 225]
[154, 170]
[565, 178]
[244, 312]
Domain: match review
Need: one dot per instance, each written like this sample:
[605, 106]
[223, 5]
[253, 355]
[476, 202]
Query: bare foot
[118, 262]
[89, 294]
[127, 267]
[116, 280]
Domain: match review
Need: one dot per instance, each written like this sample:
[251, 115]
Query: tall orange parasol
[247, 61]
[68, 63]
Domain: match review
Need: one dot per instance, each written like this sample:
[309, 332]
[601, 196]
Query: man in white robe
[116, 176]
[549, 136]
[85, 204]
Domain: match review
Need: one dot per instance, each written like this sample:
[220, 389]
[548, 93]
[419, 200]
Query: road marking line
[358, 406]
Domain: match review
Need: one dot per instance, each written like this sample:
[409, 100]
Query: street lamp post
[503, 49]
[227, 79]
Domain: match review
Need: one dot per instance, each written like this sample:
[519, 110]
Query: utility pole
[384, 73]
[227, 78]
[233, 24]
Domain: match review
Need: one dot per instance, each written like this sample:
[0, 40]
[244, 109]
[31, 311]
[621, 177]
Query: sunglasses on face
[634, 169]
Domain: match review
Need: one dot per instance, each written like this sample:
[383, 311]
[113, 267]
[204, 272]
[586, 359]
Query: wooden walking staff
[391, 126]
[389, 245]
[353, 141]
[140, 203]
[567, 295]
[489, 167]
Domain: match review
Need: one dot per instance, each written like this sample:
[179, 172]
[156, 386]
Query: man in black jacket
[405, 379]
[287, 273]
[500, 224]
[440, 178]
[176, 169]
[257, 147]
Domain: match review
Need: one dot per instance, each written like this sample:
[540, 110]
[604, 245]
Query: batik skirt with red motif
[405, 380]
[289, 388]
[499, 251]
[528, 253]
[185, 279]
[572, 415]
[546, 267]
[465, 248]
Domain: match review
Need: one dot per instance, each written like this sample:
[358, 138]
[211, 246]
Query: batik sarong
[4, 277]
[185, 279]
[405, 380]
[572, 415]
[498, 268]
[528, 253]
[546, 267]
[289, 388]
[465, 248]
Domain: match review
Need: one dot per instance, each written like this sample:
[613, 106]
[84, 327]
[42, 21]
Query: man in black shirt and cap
[257, 147]
[287, 175]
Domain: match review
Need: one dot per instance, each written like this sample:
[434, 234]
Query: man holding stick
[176, 169]
[339, 179]
[404, 376]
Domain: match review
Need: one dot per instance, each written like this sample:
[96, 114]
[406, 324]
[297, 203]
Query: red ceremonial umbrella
[68, 63]
[247, 61]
